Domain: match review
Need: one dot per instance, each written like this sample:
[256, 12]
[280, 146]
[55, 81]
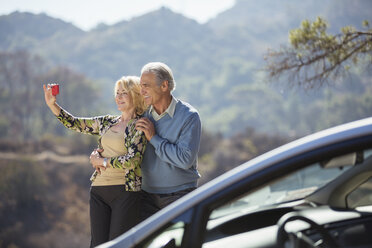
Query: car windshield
[292, 187]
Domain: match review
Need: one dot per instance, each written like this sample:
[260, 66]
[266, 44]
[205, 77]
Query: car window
[169, 237]
[292, 187]
[361, 196]
[298, 185]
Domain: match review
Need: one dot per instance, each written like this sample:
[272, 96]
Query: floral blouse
[135, 142]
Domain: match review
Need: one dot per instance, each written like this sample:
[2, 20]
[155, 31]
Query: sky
[86, 14]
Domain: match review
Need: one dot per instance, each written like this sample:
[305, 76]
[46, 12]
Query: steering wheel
[299, 239]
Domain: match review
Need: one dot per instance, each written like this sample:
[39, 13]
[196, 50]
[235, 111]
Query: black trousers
[113, 211]
[151, 203]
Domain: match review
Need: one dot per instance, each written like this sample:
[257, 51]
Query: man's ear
[164, 86]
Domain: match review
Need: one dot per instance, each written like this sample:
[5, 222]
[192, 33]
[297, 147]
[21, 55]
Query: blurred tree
[315, 56]
[18, 72]
[24, 113]
[230, 152]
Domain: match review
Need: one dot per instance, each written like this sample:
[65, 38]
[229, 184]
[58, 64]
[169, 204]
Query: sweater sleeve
[81, 124]
[184, 151]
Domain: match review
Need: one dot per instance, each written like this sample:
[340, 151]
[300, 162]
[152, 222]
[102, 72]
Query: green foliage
[211, 62]
[310, 36]
[24, 112]
[314, 56]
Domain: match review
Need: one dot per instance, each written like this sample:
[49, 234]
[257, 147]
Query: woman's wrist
[105, 162]
[56, 109]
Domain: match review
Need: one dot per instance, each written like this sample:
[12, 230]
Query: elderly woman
[116, 182]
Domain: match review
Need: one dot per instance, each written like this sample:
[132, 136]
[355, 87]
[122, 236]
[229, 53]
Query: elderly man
[173, 129]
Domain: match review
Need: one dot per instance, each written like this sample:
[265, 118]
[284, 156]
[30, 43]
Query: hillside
[20, 30]
[44, 170]
[217, 65]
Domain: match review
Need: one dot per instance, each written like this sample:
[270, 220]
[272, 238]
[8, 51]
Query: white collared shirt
[170, 110]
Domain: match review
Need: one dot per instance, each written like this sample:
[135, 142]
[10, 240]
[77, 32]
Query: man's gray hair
[162, 72]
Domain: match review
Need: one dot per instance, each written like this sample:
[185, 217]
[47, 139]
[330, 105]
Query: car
[313, 192]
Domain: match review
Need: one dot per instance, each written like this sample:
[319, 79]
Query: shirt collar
[170, 110]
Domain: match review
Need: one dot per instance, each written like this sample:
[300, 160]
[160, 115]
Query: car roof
[317, 140]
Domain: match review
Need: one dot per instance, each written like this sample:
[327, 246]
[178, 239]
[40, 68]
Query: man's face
[150, 90]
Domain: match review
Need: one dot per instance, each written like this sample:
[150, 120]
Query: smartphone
[55, 89]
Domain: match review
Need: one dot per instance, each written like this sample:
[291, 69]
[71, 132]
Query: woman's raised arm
[50, 100]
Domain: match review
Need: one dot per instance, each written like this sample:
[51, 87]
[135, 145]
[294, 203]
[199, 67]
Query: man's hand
[147, 127]
[97, 160]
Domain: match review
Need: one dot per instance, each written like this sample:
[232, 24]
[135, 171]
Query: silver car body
[306, 144]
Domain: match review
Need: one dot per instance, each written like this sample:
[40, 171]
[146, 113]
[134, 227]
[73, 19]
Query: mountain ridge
[212, 62]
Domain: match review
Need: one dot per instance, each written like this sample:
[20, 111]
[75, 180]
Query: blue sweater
[170, 160]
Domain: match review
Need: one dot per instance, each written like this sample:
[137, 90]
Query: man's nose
[142, 91]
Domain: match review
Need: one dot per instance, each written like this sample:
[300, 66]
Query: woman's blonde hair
[132, 85]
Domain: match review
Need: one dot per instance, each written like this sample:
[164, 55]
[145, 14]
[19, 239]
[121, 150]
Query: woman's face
[123, 99]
